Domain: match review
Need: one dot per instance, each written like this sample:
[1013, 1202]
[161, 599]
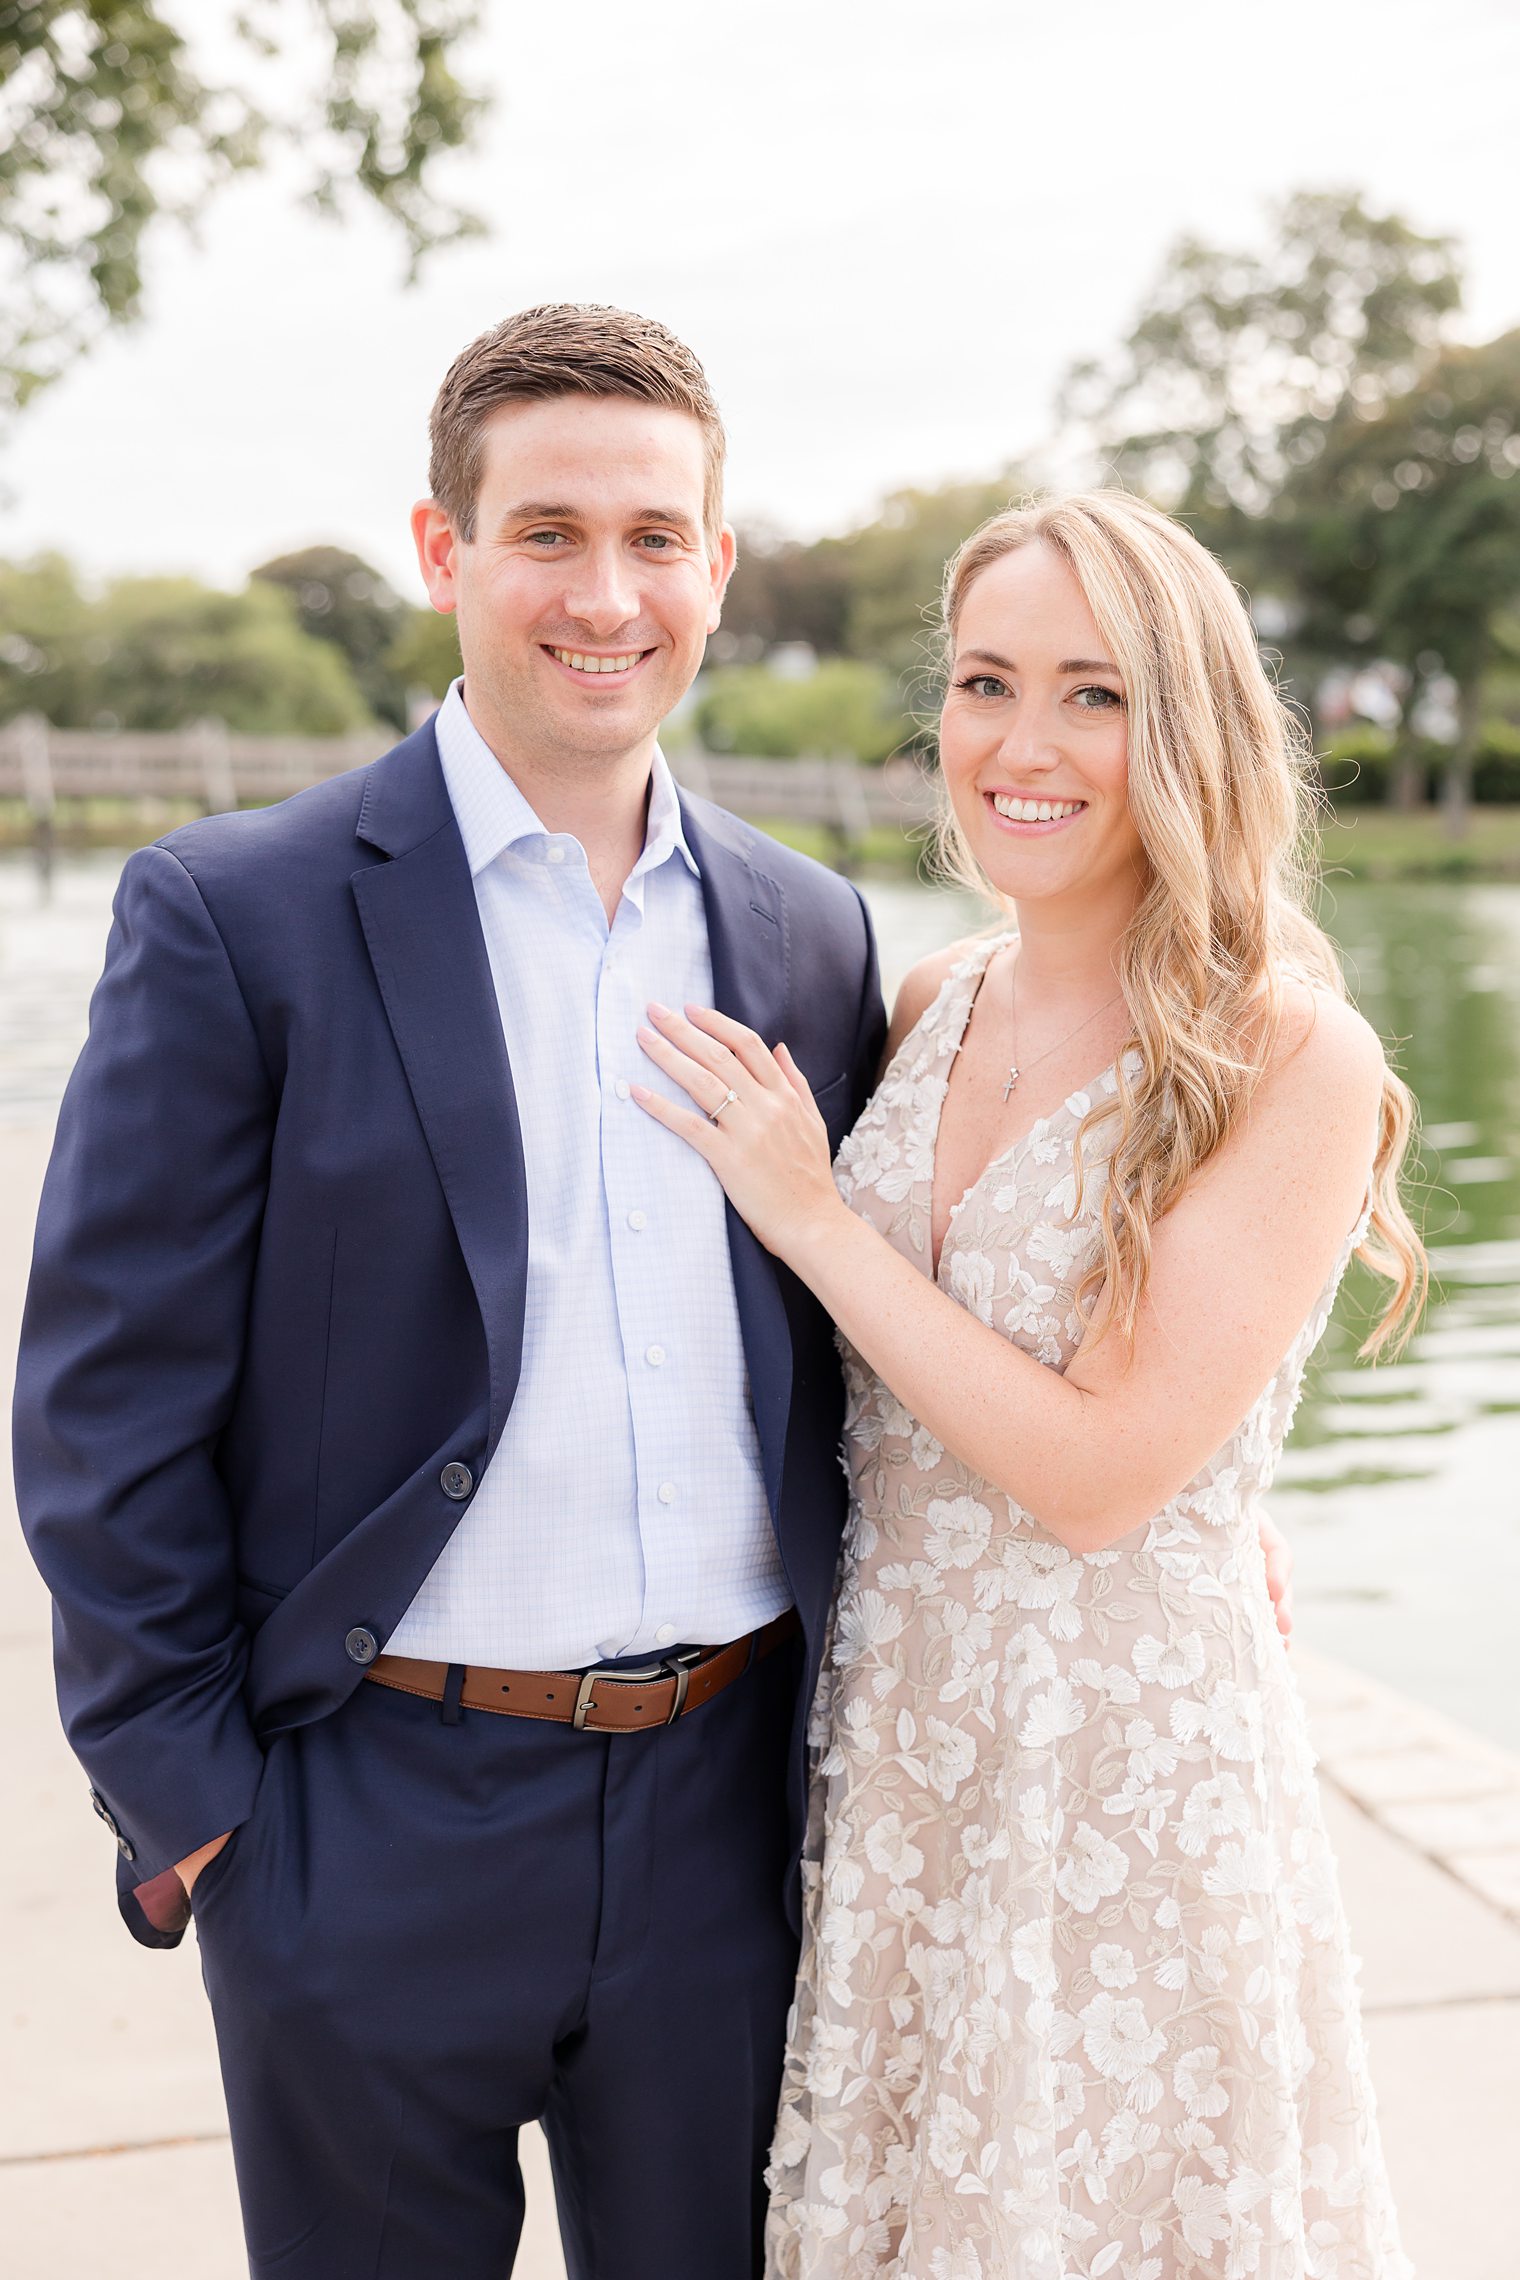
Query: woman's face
[1034, 735]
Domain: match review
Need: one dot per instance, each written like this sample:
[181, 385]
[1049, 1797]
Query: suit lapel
[747, 937]
[422, 928]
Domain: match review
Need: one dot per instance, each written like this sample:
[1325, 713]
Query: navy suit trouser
[428, 1934]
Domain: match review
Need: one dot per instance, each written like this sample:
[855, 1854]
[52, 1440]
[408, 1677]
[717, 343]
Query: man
[375, 1334]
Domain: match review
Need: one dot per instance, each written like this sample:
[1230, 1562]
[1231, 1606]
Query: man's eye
[657, 540]
[545, 538]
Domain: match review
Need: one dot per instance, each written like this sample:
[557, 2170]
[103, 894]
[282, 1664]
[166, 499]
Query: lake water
[1401, 1485]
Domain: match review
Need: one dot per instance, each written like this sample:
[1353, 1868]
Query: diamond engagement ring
[727, 1101]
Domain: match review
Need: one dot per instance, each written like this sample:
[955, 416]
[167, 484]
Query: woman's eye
[1107, 699]
[983, 685]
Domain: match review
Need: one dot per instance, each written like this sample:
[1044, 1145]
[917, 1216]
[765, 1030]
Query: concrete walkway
[112, 2129]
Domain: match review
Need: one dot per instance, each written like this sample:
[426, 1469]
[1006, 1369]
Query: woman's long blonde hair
[1220, 775]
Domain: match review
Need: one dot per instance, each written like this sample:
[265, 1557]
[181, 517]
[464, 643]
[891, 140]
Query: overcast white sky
[885, 225]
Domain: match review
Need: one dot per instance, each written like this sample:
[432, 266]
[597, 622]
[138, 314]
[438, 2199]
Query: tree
[339, 598]
[1238, 361]
[845, 707]
[1407, 526]
[106, 128]
[872, 594]
[160, 653]
[425, 652]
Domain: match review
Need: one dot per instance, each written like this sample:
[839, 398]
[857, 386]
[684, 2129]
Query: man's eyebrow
[559, 510]
[539, 510]
[676, 517]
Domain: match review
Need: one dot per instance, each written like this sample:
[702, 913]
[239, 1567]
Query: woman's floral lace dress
[1075, 1993]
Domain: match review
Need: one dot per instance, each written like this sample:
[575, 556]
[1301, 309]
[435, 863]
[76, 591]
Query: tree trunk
[1406, 780]
[1406, 786]
[1456, 788]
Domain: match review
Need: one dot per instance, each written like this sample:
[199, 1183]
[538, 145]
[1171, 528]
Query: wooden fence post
[214, 751]
[31, 732]
[849, 831]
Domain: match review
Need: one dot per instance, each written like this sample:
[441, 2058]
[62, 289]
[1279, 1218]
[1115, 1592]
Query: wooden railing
[209, 768]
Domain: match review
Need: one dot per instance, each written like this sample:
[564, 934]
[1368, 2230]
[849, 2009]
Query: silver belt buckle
[679, 1667]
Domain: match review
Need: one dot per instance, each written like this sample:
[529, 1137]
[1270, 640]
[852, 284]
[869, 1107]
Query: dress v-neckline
[1003, 1156]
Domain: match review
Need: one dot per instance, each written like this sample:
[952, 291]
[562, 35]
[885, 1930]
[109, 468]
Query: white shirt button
[556, 854]
[654, 1356]
[665, 1635]
[621, 1088]
[667, 1492]
[638, 1221]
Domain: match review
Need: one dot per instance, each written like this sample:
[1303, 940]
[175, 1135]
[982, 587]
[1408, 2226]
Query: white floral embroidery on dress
[1076, 1996]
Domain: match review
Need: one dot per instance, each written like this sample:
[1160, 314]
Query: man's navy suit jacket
[279, 1272]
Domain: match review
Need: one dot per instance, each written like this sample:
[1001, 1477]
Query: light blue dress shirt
[624, 1508]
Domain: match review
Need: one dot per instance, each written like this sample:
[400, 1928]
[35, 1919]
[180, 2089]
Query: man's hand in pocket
[188, 1869]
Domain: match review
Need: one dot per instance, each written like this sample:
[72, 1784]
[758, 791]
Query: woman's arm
[1236, 1267]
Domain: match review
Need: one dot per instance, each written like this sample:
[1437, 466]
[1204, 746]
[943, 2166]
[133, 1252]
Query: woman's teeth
[1035, 811]
[580, 663]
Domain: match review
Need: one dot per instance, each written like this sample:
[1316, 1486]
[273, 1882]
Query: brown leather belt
[593, 1701]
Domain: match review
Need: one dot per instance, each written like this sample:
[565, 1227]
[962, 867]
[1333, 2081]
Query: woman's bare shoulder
[1325, 1047]
[921, 985]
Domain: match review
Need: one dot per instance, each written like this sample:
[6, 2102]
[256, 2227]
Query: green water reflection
[1437, 970]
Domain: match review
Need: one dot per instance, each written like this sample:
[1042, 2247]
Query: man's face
[587, 593]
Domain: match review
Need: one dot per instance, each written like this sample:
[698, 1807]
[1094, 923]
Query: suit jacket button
[126, 1848]
[361, 1646]
[456, 1481]
[104, 1810]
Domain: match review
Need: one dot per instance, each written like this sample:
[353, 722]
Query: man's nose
[602, 592]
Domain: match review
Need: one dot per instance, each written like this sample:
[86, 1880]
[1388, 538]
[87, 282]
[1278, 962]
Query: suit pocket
[215, 1873]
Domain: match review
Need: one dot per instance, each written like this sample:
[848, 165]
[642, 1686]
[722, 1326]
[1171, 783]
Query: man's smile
[587, 663]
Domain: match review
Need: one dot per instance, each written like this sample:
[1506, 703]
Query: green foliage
[872, 594]
[1359, 767]
[106, 127]
[1496, 765]
[844, 707]
[339, 598]
[1238, 358]
[159, 653]
[1422, 506]
[425, 652]
[1356, 766]
[44, 631]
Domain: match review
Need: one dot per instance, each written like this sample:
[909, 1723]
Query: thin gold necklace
[1014, 1070]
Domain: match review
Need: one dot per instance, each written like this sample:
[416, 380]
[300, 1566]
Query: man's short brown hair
[564, 348]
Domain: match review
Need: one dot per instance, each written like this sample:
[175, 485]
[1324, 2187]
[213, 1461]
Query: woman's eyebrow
[1067, 664]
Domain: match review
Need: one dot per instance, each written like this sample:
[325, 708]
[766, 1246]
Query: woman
[1075, 1993]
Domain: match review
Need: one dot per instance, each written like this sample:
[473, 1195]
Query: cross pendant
[1013, 1078]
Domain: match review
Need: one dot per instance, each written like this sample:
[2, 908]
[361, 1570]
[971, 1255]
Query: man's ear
[433, 536]
[721, 569]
